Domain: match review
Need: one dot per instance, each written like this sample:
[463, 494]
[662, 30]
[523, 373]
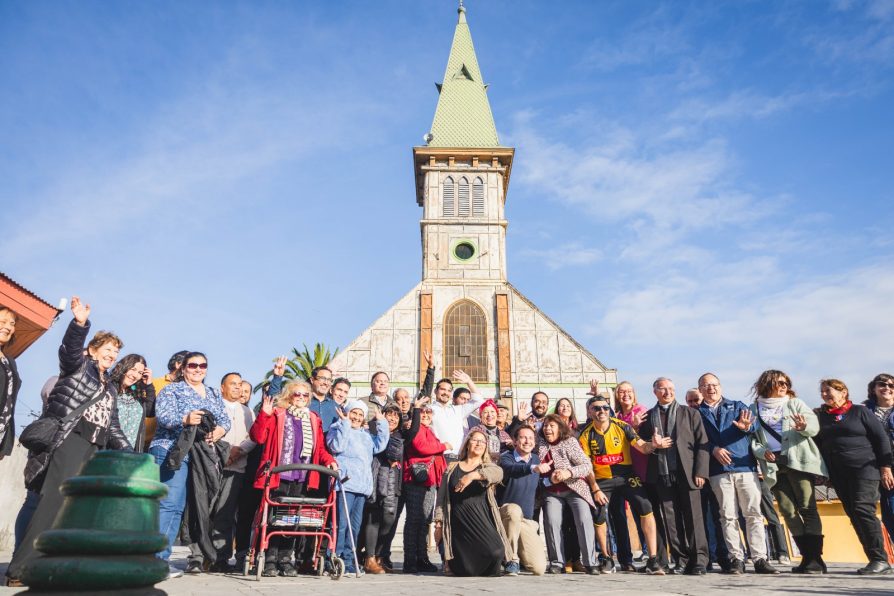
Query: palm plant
[302, 363]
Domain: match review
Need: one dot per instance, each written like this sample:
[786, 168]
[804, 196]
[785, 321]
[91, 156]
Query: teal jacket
[803, 454]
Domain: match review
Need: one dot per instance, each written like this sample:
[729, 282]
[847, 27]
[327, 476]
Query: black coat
[855, 446]
[79, 381]
[690, 441]
[10, 437]
[388, 478]
[206, 464]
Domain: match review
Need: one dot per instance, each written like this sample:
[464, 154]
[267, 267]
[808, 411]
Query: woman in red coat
[424, 466]
[291, 434]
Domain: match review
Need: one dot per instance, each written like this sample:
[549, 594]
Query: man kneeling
[521, 472]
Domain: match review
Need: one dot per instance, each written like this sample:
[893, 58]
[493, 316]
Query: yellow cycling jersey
[609, 451]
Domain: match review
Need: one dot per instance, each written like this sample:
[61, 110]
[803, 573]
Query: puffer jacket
[79, 381]
[387, 471]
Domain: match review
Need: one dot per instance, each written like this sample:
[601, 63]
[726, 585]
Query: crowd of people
[539, 491]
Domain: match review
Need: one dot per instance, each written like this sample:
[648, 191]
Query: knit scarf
[307, 438]
[667, 458]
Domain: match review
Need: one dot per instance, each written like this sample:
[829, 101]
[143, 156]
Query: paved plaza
[841, 579]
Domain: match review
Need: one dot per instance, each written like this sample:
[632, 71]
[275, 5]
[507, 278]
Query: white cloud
[626, 179]
[742, 318]
[569, 254]
[192, 152]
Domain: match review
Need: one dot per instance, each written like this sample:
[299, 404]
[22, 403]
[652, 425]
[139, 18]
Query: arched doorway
[465, 340]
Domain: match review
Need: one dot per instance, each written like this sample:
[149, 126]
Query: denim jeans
[171, 507]
[23, 519]
[888, 511]
[355, 501]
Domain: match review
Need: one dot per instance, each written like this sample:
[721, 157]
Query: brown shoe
[372, 566]
[577, 567]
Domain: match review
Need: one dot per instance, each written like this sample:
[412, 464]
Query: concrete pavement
[842, 579]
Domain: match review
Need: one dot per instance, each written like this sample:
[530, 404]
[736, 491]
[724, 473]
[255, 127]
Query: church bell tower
[462, 175]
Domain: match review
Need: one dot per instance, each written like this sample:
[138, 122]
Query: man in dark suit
[675, 475]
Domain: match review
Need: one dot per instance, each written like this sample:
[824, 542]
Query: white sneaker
[173, 572]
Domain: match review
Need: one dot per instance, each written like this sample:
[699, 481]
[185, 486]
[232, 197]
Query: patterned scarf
[667, 458]
[130, 415]
[302, 415]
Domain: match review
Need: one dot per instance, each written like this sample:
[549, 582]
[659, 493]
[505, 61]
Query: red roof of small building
[35, 314]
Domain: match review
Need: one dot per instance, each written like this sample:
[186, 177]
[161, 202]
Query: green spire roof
[463, 117]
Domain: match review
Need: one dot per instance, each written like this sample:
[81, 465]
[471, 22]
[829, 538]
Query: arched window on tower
[478, 197]
[448, 198]
[465, 340]
[463, 210]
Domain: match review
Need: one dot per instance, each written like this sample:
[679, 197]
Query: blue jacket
[722, 433]
[353, 449]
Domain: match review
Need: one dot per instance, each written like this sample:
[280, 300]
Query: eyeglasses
[889, 384]
[478, 441]
[300, 394]
[325, 379]
[714, 385]
[600, 408]
[195, 365]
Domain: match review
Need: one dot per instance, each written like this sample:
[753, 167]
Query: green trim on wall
[456, 242]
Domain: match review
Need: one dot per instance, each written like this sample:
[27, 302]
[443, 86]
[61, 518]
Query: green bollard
[106, 534]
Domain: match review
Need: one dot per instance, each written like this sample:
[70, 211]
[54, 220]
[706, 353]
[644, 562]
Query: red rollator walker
[314, 517]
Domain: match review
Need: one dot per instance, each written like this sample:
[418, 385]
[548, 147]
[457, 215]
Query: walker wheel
[338, 568]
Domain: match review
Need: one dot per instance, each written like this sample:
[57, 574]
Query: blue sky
[697, 186]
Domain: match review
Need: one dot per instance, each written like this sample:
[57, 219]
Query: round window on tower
[464, 251]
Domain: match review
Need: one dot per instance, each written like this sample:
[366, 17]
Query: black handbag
[38, 436]
[419, 471]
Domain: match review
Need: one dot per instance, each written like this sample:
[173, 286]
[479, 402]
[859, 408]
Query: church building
[464, 310]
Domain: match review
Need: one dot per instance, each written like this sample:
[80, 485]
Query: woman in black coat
[82, 380]
[9, 382]
[381, 510]
[858, 454]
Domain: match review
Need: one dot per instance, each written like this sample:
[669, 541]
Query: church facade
[464, 310]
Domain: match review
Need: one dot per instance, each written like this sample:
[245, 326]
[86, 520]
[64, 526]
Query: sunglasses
[889, 384]
[195, 365]
[781, 383]
[600, 408]
[300, 394]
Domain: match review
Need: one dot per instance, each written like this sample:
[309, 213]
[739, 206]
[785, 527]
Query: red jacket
[425, 447]
[268, 431]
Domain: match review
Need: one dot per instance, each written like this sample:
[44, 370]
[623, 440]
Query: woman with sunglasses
[177, 406]
[467, 518]
[790, 462]
[857, 451]
[424, 466]
[290, 434]
[880, 401]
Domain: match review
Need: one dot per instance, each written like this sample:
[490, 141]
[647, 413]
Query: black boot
[814, 565]
[803, 549]
[819, 552]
